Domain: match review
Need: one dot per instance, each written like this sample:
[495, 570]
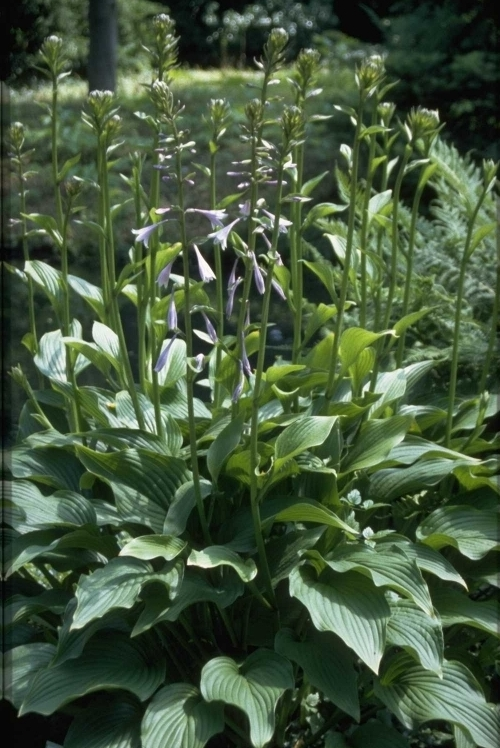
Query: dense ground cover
[214, 543]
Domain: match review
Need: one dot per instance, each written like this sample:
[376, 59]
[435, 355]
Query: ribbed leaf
[416, 695]
[304, 433]
[116, 585]
[327, 664]
[175, 368]
[155, 476]
[354, 340]
[21, 664]
[32, 510]
[347, 604]
[223, 445]
[114, 721]
[219, 555]
[255, 687]
[474, 532]
[194, 589]
[51, 355]
[92, 294]
[51, 466]
[110, 661]
[387, 567]
[427, 559]
[108, 342]
[148, 547]
[392, 483]
[182, 505]
[419, 634]
[178, 717]
[312, 511]
[375, 442]
[47, 278]
[20, 607]
[455, 607]
[392, 386]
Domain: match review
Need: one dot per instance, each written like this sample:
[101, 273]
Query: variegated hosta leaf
[254, 686]
[327, 664]
[416, 632]
[113, 721]
[109, 661]
[117, 585]
[416, 696]
[347, 604]
[148, 547]
[178, 717]
[474, 532]
[387, 567]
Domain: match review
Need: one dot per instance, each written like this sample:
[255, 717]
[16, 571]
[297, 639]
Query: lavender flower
[221, 236]
[206, 272]
[239, 387]
[244, 358]
[163, 357]
[144, 234]
[283, 223]
[210, 328]
[164, 275]
[197, 363]
[172, 313]
[214, 216]
[230, 298]
[257, 274]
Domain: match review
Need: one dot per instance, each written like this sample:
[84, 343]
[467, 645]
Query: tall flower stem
[331, 382]
[468, 250]
[364, 223]
[493, 335]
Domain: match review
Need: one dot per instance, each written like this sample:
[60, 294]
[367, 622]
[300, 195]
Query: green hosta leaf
[392, 386]
[154, 476]
[306, 432]
[255, 687]
[51, 357]
[175, 367]
[419, 634]
[178, 717]
[312, 511]
[21, 607]
[219, 555]
[327, 664]
[462, 737]
[318, 318]
[21, 664]
[107, 340]
[473, 532]
[224, 444]
[354, 340]
[409, 319]
[375, 442]
[92, 294]
[47, 278]
[392, 483]
[114, 721]
[182, 506]
[326, 274]
[154, 546]
[347, 604]
[416, 695]
[455, 607]
[91, 353]
[194, 589]
[387, 567]
[32, 510]
[427, 559]
[124, 438]
[109, 661]
[51, 466]
[116, 585]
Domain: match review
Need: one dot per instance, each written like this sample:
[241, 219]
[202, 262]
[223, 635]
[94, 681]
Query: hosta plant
[212, 547]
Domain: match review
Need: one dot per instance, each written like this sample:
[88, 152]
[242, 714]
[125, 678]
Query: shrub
[219, 550]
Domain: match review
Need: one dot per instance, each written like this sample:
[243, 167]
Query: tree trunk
[103, 44]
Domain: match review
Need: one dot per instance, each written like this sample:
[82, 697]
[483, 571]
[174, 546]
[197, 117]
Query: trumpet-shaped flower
[215, 217]
[206, 272]
[257, 274]
[221, 236]
[210, 328]
[239, 387]
[164, 275]
[172, 313]
[144, 235]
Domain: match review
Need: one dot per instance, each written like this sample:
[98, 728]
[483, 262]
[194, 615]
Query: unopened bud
[370, 73]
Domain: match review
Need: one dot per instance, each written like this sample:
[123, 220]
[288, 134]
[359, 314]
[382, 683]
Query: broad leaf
[474, 532]
[32, 510]
[219, 555]
[223, 445]
[419, 634]
[110, 661]
[416, 695]
[21, 664]
[114, 721]
[306, 432]
[116, 585]
[178, 717]
[456, 608]
[353, 341]
[392, 483]
[375, 442]
[255, 687]
[387, 567]
[182, 506]
[347, 604]
[312, 511]
[148, 547]
[327, 664]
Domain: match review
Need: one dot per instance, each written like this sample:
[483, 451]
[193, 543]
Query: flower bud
[386, 111]
[306, 70]
[101, 109]
[274, 49]
[370, 74]
[73, 187]
[421, 124]
[490, 169]
[219, 116]
[292, 122]
[53, 55]
[16, 133]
